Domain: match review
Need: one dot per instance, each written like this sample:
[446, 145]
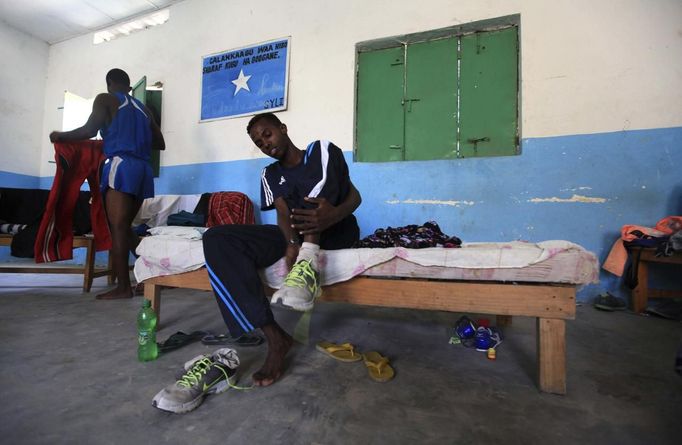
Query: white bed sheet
[570, 263]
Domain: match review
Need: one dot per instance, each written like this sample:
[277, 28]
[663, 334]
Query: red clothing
[229, 208]
[76, 162]
[617, 258]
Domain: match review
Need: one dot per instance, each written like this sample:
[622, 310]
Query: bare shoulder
[107, 100]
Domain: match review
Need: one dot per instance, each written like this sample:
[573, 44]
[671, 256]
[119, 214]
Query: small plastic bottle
[147, 349]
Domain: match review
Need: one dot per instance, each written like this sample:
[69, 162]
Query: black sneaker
[204, 375]
[607, 302]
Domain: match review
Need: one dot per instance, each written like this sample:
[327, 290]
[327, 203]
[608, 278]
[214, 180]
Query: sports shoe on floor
[487, 338]
[204, 375]
[300, 288]
[607, 302]
[465, 328]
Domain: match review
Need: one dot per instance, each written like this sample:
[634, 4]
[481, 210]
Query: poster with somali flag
[245, 81]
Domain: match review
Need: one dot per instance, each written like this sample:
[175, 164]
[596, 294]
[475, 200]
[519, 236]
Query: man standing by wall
[129, 132]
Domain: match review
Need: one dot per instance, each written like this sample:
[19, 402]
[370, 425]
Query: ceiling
[55, 21]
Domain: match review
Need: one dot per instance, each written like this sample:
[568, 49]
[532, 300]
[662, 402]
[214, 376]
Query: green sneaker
[204, 375]
[300, 288]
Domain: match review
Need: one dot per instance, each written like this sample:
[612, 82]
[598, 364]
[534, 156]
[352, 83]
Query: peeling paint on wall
[576, 189]
[431, 202]
[574, 198]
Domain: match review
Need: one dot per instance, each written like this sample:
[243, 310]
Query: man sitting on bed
[315, 199]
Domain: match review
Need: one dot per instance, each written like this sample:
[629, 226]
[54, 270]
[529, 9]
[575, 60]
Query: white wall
[587, 67]
[22, 90]
[596, 66]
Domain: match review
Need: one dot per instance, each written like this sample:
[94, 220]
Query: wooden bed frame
[642, 292]
[88, 269]
[550, 303]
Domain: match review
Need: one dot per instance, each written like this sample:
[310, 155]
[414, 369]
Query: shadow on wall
[675, 202]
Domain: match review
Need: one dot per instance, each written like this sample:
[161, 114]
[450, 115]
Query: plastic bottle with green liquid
[147, 349]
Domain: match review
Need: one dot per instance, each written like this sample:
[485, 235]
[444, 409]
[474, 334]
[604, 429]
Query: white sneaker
[205, 375]
[300, 288]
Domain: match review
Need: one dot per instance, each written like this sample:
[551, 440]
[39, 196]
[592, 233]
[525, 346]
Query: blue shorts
[128, 174]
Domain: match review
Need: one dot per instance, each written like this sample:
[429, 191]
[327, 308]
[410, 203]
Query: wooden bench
[551, 304]
[642, 292]
[88, 269]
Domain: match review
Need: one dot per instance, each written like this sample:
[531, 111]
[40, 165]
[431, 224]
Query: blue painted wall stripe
[19, 181]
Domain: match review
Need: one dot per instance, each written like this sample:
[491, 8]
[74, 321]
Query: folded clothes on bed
[190, 233]
[155, 211]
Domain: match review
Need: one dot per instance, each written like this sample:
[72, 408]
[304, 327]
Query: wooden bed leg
[551, 339]
[89, 268]
[503, 320]
[152, 292]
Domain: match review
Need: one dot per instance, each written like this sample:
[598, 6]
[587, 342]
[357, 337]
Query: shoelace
[195, 373]
[299, 273]
[200, 368]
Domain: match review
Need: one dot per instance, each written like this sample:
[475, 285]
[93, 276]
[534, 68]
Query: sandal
[378, 367]
[343, 353]
[226, 339]
[180, 339]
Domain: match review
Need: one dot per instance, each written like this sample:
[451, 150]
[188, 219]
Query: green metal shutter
[379, 114]
[154, 104]
[152, 99]
[431, 100]
[489, 93]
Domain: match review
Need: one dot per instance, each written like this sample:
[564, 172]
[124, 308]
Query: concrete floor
[70, 375]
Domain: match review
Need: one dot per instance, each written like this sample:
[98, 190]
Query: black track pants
[234, 253]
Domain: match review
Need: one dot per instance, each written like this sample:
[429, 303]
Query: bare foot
[115, 294]
[279, 343]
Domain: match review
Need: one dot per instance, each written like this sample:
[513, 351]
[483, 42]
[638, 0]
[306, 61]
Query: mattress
[546, 262]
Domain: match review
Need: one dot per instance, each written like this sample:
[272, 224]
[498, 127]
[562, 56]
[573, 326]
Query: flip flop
[343, 353]
[180, 339]
[378, 367]
[226, 339]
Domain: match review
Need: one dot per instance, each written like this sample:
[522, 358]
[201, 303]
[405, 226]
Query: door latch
[475, 141]
[409, 104]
